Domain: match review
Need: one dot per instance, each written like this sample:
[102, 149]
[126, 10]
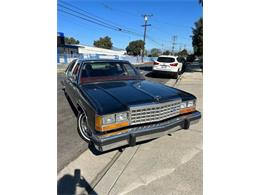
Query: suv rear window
[165, 59]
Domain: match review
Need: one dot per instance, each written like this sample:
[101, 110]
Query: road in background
[70, 145]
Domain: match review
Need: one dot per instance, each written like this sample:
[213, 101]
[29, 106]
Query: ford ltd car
[116, 106]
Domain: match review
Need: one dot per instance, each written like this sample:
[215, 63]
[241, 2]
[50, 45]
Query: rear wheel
[83, 128]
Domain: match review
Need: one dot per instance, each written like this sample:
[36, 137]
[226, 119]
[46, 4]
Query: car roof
[103, 60]
[167, 56]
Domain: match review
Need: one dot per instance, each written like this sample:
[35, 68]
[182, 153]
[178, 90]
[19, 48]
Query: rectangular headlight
[188, 106]
[190, 103]
[183, 105]
[108, 119]
[111, 121]
[121, 117]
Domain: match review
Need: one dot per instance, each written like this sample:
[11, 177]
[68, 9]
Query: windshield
[165, 59]
[107, 71]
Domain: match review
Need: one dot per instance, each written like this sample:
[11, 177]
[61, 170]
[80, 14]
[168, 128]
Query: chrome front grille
[154, 112]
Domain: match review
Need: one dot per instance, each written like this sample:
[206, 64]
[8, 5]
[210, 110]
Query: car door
[67, 79]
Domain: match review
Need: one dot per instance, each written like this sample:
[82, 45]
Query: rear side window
[70, 66]
[165, 59]
[76, 69]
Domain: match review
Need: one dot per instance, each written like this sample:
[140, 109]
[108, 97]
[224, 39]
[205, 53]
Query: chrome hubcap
[83, 126]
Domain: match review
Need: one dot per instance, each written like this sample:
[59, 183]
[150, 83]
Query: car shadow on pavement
[163, 76]
[68, 183]
[145, 68]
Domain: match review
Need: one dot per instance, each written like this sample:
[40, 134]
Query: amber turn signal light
[187, 110]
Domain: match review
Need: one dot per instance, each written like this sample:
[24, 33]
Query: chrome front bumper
[145, 132]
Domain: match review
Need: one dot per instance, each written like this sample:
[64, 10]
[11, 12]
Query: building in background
[67, 52]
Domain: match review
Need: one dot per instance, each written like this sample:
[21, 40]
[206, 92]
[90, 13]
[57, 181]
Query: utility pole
[173, 43]
[145, 25]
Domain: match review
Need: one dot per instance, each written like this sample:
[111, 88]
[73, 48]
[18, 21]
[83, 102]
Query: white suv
[167, 64]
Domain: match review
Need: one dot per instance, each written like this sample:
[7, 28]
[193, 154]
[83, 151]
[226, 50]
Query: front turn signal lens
[98, 122]
[114, 126]
[187, 110]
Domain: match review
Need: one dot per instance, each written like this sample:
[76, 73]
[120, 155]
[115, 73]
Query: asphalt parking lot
[171, 164]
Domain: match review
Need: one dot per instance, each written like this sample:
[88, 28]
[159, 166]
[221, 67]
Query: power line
[148, 37]
[151, 39]
[79, 15]
[86, 19]
[168, 33]
[92, 18]
[93, 15]
[136, 15]
[99, 20]
[154, 19]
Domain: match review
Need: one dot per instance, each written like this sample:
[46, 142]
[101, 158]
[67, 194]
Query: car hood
[118, 96]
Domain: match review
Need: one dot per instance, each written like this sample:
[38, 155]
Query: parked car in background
[201, 64]
[117, 107]
[190, 58]
[167, 64]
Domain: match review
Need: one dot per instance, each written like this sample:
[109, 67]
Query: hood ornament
[157, 98]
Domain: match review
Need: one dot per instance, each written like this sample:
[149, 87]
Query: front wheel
[83, 128]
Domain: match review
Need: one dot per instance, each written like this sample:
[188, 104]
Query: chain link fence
[67, 58]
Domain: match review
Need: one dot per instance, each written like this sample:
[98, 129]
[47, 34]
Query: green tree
[155, 52]
[104, 42]
[71, 40]
[197, 38]
[167, 52]
[135, 47]
[183, 53]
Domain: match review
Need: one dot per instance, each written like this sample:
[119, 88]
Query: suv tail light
[174, 64]
[155, 63]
